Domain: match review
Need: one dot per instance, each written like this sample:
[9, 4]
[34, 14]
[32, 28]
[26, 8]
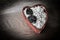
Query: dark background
[52, 25]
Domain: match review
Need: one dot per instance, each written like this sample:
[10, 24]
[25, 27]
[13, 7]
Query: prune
[32, 18]
[29, 11]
